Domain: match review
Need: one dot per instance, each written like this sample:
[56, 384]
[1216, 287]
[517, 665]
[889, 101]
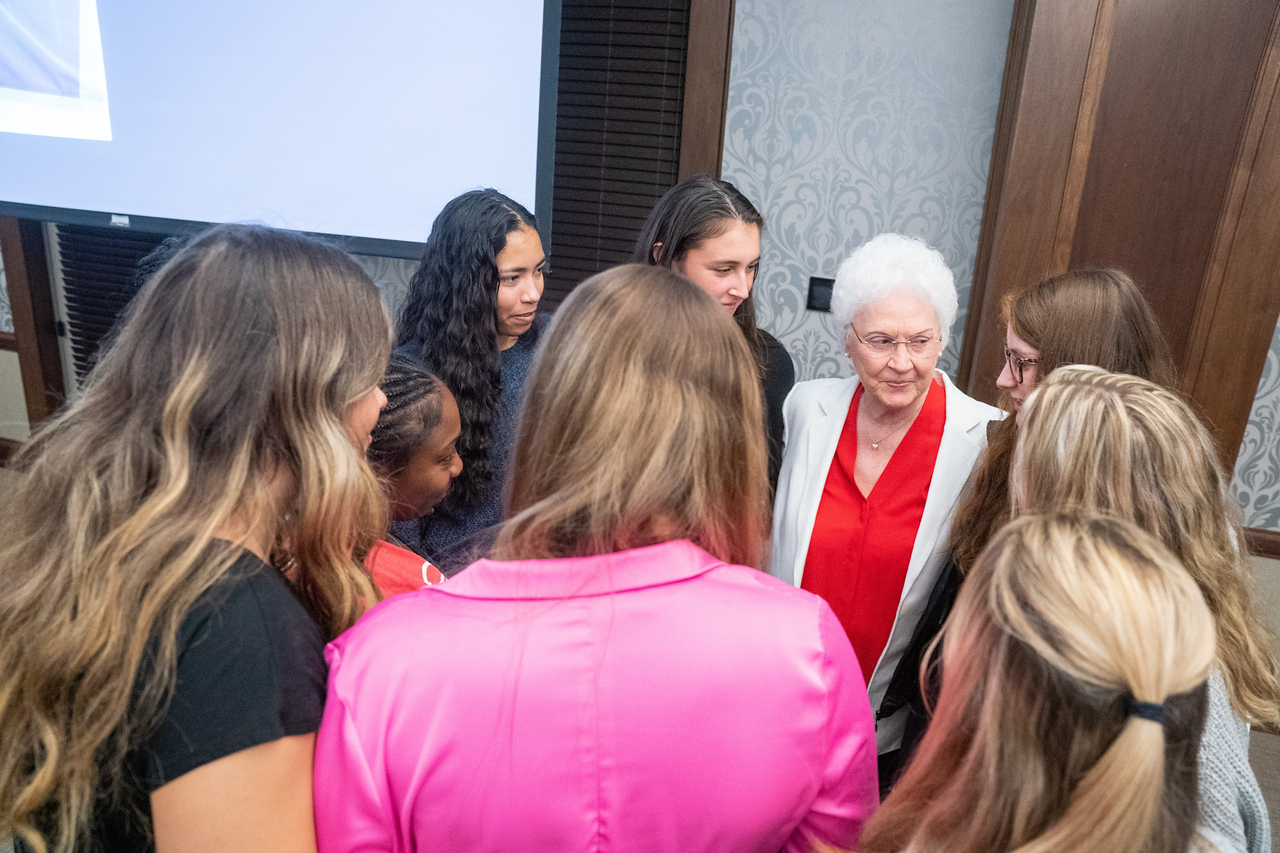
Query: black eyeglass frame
[1017, 363]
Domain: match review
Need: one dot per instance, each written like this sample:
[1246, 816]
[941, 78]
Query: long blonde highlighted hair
[1064, 621]
[641, 423]
[221, 405]
[1116, 443]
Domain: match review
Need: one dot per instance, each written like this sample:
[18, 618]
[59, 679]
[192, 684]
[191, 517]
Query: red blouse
[861, 546]
[397, 569]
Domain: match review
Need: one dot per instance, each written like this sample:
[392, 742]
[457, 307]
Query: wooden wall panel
[706, 87]
[1143, 134]
[1039, 147]
[35, 330]
[1171, 115]
[1237, 315]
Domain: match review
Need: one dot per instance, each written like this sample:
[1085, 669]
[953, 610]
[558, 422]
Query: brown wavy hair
[639, 426]
[1097, 317]
[1113, 443]
[221, 405]
[1062, 623]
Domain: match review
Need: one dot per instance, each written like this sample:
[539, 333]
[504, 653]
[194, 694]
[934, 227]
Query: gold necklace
[875, 445]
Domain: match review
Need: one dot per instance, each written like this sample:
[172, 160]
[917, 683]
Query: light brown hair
[1063, 622]
[232, 375]
[1095, 317]
[640, 424]
[1114, 443]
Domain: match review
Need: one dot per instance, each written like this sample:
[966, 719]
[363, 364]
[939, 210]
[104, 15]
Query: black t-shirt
[250, 670]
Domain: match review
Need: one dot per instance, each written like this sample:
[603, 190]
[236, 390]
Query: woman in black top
[175, 548]
[707, 231]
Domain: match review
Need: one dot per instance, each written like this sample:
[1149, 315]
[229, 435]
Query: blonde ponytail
[1065, 623]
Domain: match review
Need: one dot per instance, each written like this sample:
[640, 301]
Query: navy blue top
[453, 538]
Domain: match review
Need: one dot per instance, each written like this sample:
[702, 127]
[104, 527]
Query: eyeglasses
[882, 345]
[1017, 363]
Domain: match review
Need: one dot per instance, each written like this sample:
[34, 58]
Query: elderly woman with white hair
[874, 464]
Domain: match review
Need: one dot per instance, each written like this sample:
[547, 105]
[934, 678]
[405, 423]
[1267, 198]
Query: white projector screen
[327, 116]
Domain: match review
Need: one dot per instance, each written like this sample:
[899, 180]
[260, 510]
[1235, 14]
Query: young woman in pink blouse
[618, 676]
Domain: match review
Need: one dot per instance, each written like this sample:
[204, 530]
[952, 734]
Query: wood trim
[8, 341]
[1015, 65]
[1104, 27]
[706, 87]
[1246, 155]
[26, 268]
[1238, 309]
[8, 447]
[1041, 104]
[1263, 543]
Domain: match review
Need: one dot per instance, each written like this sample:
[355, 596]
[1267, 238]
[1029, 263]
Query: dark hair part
[449, 320]
[692, 212]
[415, 407]
[1097, 317]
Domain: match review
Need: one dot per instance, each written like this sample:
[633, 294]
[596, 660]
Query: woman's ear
[656, 254]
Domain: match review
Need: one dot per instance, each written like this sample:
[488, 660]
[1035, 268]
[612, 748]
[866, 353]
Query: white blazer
[815, 414]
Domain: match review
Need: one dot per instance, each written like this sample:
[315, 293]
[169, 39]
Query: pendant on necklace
[875, 446]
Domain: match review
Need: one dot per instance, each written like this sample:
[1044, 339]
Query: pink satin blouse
[651, 700]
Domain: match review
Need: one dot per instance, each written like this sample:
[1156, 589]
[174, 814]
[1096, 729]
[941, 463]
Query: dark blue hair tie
[1147, 711]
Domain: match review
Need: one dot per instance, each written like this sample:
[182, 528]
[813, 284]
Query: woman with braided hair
[1072, 701]
[415, 452]
[1114, 443]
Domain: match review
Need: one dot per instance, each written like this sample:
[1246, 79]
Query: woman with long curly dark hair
[471, 319]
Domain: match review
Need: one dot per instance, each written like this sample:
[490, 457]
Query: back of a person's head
[1089, 316]
[641, 424]
[1115, 443]
[221, 403]
[1072, 701]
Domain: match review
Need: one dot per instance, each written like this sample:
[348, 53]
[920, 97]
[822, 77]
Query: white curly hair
[890, 264]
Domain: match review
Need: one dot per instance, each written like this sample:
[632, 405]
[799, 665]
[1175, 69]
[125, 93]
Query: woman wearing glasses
[874, 464]
[1096, 317]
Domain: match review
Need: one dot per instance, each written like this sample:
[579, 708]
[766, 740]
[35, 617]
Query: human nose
[1006, 380]
[532, 291]
[456, 468]
[740, 285]
[900, 359]
[381, 398]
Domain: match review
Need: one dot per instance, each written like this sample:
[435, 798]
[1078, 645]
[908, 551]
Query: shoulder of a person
[809, 392]
[973, 409]
[252, 601]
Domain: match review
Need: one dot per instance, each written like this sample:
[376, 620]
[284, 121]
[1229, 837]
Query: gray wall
[6, 315]
[1257, 474]
[849, 119]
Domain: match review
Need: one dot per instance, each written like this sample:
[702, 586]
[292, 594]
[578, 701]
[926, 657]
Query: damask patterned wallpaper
[1257, 476]
[392, 277]
[849, 119]
[6, 315]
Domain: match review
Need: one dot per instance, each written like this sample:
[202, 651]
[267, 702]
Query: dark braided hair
[450, 320]
[415, 407]
[698, 209]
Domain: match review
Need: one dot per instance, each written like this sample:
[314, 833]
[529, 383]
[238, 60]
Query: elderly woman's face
[895, 375]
